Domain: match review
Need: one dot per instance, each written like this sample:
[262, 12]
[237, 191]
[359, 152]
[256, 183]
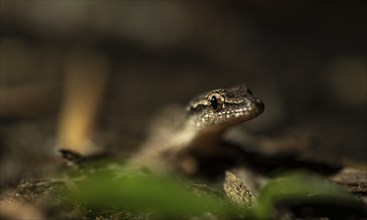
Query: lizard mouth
[240, 113]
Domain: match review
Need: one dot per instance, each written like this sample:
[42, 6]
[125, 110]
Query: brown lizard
[180, 136]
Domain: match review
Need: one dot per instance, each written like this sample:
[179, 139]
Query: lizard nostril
[249, 91]
[260, 103]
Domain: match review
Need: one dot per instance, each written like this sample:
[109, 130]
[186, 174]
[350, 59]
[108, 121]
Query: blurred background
[91, 75]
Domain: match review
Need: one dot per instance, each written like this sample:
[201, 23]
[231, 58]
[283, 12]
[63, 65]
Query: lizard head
[223, 108]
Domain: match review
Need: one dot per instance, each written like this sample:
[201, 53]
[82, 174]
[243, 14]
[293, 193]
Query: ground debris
[237, 192]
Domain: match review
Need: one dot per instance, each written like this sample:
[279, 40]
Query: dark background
[305, 60]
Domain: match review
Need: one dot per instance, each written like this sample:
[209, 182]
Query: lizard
[180, 135]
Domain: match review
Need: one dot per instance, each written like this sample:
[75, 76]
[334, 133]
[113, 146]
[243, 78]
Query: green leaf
[145, 193]
[300, 188]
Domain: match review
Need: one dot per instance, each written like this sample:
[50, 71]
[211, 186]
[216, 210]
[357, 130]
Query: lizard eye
[214, 102]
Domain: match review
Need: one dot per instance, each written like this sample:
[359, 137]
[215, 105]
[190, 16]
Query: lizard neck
[197, 136]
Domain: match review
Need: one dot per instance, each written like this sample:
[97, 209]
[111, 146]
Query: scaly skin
[201, 126]
[221, 109]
